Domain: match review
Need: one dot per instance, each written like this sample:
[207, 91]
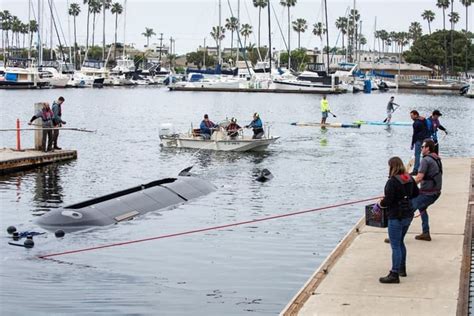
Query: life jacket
[47, 115]
[437, 177]
[209, 123]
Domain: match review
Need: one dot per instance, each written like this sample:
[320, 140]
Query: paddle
[386, 119]
[333, 115]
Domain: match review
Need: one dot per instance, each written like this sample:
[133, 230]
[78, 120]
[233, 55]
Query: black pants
[257, 133]
[55, 136]
[436, 149]
[47, 134]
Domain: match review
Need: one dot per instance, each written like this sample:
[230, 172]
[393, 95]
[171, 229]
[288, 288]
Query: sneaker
[392, 277]
[386, 240]
[424, 236]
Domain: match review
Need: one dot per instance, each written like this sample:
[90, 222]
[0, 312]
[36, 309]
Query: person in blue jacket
[207, 126]
[257, 126]
[433, 124]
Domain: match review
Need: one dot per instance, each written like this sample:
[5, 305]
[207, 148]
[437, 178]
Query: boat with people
[220, 139]
[316, 124]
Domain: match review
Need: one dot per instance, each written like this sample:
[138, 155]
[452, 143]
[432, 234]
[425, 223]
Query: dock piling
[18, 139]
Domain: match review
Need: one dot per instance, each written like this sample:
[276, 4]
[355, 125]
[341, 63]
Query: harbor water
[252, 269]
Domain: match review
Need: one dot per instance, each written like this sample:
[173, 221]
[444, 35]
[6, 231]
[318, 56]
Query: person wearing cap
[46, 116]
[391, 108]
[233, 128]
[433, 124]
[257, 126]
[207, 126]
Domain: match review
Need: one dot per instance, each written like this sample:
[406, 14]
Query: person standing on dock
[57, 121]
[391, 108]
[207, 126]
[433, 124]
[420, 133]
[399, 189]
[257, 126]
[430, 176]
[46, 116]
[324, 110]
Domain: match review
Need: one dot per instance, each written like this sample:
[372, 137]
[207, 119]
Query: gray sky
[189, 22]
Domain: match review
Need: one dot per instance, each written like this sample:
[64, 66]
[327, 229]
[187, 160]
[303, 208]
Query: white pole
[219, 37]
[51, 30]
[124, 26]
[238, 30]
[29, 33]
[69, 33]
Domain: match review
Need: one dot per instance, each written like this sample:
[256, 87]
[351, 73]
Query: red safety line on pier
[206, 229]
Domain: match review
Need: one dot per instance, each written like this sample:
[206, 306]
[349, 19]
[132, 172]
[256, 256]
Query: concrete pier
[12, 160]
[438, 271]
[211, 89]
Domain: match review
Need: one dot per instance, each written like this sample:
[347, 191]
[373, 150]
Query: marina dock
[13, 160]
[207, 89]
[346, 283]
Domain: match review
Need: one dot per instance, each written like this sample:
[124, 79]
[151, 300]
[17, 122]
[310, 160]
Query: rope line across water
[205, 229]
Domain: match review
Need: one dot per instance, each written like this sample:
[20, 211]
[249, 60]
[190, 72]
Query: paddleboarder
[390, 109]
[325, 110]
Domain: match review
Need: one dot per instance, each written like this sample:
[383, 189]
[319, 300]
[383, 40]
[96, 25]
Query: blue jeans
[397, 229]
[421, 203]
[417, 155]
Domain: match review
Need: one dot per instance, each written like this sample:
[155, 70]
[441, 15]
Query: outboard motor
[166, 130]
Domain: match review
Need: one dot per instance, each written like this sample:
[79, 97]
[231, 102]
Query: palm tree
[300, 26]
[429, 16]
[88, 2]
[245, 31]
[116, 9]
[415, 31]
[260, 4]
[217, 34]
[453, 18]
[444, 4]
[362, 40]
[32, 28]
[231, 24]
[24, 31]
[105, 6]
[6, 26]
[95, 7]
[352, 23]
[74, 10]
[466, 3]
[16, 29]
[288, 4]
[148, 33]
[341, 25]
[319, 30]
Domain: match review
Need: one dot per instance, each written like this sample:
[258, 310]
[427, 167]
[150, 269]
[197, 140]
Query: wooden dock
[210, 89]
[346, 283]
[13, 160]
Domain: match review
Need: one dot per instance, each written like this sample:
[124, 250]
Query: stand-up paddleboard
[360, 122]
[344, 125]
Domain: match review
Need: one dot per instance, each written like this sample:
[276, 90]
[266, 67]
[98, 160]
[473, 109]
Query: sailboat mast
[29, 31]
[124, 26]
[238, 30]
[269, 38]
[219, 37]
[354, 27]
[40, 29]
[327, 33]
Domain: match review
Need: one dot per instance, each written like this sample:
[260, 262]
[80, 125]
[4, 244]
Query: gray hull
[124, 205]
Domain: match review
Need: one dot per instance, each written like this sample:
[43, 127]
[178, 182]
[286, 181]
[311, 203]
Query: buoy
[11, 229]
[264, 176]
[29, 243]
[59, 233]
[16, 236]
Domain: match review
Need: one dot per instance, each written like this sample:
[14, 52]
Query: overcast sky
[190, 21]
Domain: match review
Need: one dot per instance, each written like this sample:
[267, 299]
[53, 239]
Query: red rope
[205, 229]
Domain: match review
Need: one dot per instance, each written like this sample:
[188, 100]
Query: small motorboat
[220, 140]
[127, 204]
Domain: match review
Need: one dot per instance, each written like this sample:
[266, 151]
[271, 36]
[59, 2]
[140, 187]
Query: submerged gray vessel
[127, 204]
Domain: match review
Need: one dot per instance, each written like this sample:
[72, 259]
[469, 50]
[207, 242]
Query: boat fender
[29, 243]
[11, 229]
[59, 233]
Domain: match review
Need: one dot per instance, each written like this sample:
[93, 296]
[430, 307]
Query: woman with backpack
[399, 190]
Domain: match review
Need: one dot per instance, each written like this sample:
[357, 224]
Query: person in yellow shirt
[324, 110]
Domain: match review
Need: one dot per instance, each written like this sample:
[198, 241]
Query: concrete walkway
[347, 282]
[13, 160]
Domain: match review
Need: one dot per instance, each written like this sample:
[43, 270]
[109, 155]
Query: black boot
[392, 277]
[402, 271]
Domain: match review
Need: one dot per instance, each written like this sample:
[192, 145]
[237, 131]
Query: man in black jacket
[420, 132]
